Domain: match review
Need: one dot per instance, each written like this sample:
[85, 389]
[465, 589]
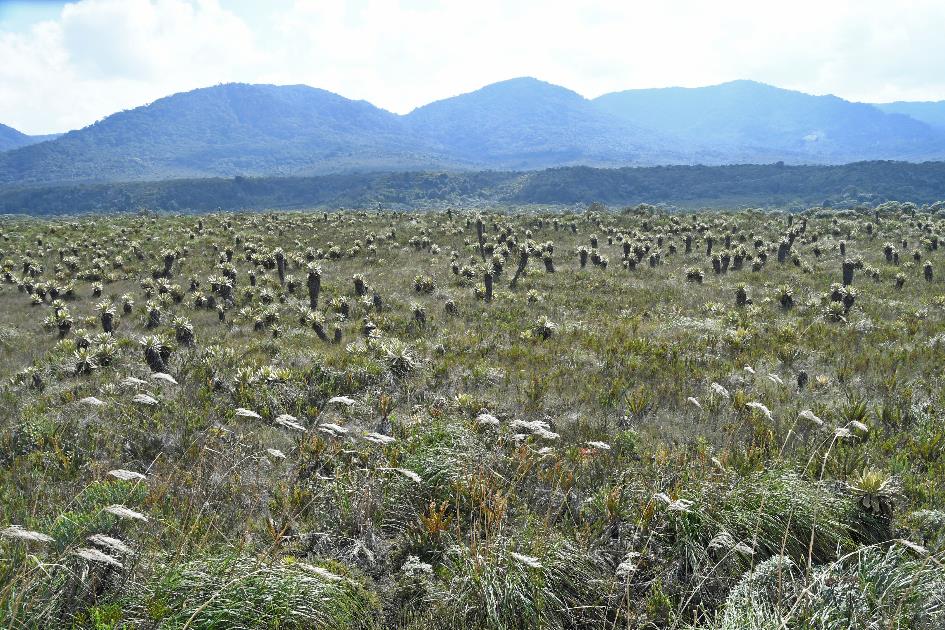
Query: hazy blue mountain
[751, 122]
[929, 112]
[10, 138]
[527, 123]
[225, 130]
[520, 124]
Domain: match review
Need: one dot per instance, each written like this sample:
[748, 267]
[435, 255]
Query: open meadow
[520, 418]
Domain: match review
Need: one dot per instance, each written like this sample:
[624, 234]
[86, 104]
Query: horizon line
[471, 91]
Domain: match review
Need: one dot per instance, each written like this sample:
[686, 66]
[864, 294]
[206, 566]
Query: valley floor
[447, 419]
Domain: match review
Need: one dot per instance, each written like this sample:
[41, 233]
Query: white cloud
[101, 56]
[104, 55]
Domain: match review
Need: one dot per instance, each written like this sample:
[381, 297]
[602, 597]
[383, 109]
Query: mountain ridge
[518, 124]
[11, 138]
[929, 112]
[795, 126]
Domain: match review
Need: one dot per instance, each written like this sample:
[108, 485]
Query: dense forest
[773, 185]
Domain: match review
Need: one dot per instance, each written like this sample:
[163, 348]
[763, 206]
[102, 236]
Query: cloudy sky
[65, 65]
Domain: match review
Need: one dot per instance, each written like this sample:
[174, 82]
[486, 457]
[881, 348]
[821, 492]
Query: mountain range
[10, 138]
[519, 124]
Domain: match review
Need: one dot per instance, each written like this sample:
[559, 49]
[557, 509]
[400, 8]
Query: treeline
[760, 184]
[772, 185]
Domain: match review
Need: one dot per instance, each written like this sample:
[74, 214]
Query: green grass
[595, 447]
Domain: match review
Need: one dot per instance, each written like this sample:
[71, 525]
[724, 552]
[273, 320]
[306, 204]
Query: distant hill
[225, 130]
[10, 138]
[520, 124]
[745, 121]
[527, 123]
[930, 112]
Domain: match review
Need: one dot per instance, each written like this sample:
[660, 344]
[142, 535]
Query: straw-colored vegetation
[604, 419]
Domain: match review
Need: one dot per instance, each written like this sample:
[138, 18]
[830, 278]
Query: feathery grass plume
[629, 565]
[144, 399]
[725, 542]
[379, 438]
[857, 426]
[538, 428]
[774, 378]
[127, 475]
[841, 433]
[94, 555]
[529, 561]
[915, 548]
[330, 427]
[413, 566]
[601, 446]
[320, 572]
[673, 505]
[721, 391]
[164, 376]
[809, 415]
[113, 544]
[341, 400]
[126, 513]
[760, 407]
[16, 532]
[275, 453]
[92, 401]
[247, 413]
[694, 402]
[487, 419]
[131, 381]
[409, 474]
[290, 422]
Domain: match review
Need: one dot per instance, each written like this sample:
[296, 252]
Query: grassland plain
[628, 419]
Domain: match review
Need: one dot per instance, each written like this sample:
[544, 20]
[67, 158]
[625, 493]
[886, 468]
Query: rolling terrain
[500, 420]
[10, 138]
[520, 124]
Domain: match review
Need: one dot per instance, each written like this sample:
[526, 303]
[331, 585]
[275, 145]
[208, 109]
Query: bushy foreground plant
[237, 591]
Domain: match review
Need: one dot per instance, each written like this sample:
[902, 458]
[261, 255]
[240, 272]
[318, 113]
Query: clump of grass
[239, 591]
[762, 598]
[501, 584]
[875, 587]
[781, 513]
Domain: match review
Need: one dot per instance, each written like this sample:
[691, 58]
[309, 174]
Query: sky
[66, 65]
